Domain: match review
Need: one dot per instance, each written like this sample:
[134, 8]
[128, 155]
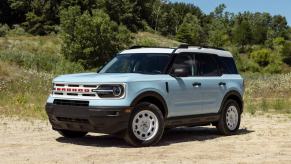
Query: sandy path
[261, 140]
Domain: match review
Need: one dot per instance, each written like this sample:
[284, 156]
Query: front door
[185, 92]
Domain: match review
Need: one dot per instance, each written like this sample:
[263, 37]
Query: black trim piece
[151, 94]
[167, 87]
[228, 95]
[141, 46]
[192, 120]
[71, 102]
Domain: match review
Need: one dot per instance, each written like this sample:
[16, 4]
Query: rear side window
[227, 65]
[207, 65]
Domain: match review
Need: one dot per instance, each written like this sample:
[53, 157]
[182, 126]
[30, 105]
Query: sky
[274, 7]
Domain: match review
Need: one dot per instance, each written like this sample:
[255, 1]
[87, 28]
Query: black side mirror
[180, 72]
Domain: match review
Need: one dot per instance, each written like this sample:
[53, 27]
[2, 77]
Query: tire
[230, 118]
[72, 134]
[146, 125]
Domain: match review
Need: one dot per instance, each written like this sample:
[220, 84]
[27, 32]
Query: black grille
[71, 102]
[77, 120]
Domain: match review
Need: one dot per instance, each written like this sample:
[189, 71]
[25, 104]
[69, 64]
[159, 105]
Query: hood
[105, 77]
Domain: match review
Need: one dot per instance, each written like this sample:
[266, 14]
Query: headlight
[110, 91]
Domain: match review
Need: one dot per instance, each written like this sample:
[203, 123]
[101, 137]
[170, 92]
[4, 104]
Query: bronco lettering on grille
[72, 90]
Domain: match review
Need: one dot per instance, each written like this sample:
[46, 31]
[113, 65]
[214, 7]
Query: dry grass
[151, 39]
[32, 44]
[270, 93]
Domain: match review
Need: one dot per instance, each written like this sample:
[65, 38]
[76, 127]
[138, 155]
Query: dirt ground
[261, 139]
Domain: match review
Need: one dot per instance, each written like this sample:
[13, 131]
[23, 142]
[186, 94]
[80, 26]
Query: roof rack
[199, 46]
[140, 46]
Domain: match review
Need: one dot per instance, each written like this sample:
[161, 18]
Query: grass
[151, 39]
[24, 95]
[271, 93]
[28, 64]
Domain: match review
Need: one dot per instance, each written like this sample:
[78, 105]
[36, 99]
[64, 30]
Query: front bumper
[88, 119]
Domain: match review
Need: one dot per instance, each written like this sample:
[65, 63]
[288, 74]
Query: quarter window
[207, 65]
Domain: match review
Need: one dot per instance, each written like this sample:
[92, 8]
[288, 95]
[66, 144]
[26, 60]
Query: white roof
[179, 50]
[205, 50]
[148, 50]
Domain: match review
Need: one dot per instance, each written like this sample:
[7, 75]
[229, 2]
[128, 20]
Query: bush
[16, 31]
[4, 29]
[244, 64]
[91, 39]
[286, 53]
[263, 57]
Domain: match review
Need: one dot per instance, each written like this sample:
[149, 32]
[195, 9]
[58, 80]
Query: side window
[207, 65]
[186, 62]
[228, 65]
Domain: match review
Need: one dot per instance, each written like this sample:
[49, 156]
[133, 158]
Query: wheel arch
[152, 97]
[234, 95]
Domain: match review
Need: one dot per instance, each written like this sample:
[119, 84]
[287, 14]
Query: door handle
[222, 84]
[196, 84]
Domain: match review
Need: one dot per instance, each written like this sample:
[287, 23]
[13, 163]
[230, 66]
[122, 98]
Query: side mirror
[180, 72]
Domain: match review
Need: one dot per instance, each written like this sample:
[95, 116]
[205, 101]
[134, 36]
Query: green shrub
[17, 31]
[268, 61]
[246, 65]
[263, 57]
[4, 30]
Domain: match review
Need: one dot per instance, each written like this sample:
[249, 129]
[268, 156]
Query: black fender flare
[232, 95]
[154, 95]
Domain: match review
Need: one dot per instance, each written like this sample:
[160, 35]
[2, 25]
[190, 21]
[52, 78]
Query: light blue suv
[143, 91]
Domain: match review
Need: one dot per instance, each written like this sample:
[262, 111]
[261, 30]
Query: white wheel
[229, 121]
[231, 117]
[145, 125]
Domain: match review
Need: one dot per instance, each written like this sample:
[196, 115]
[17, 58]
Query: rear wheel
[146, 125]
[230, 118]
[72, 134]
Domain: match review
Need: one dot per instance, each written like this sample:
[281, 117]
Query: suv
[143, 91]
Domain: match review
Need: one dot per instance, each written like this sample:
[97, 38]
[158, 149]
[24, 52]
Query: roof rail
[200, 46]
[140, 46]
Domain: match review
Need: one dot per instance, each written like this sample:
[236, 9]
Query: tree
[242, 32]
[91, 39]
[131, 13]
[218, 34]
[259, 23]
[168, 23]
[189, 31]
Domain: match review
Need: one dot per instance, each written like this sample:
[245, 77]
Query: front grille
[77, 120]
[75, 90]
[71, 102]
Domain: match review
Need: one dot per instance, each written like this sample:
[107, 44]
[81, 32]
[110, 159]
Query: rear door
[213, 87]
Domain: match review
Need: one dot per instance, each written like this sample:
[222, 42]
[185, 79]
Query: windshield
[137, 63]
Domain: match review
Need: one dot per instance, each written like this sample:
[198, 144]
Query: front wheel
[146, 125]
[72, 134]
[230, 118]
